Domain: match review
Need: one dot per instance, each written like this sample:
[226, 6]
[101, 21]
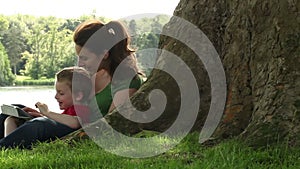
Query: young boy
[73, 87]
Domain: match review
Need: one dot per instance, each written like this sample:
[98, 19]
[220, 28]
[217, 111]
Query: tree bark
[258, 44]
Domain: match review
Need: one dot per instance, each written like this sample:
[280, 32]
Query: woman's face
[87, 59]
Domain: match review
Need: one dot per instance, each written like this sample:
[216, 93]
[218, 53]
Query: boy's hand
[42, 107]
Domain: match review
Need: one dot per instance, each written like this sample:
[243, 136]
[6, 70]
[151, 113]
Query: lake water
[29, 95]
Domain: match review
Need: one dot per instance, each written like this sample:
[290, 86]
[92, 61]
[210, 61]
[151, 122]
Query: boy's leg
[36, 130]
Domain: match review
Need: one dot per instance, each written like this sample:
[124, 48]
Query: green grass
[188, 154]
[27, 81]
[21, 78]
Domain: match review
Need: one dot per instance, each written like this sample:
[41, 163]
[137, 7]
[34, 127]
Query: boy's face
[63, 95]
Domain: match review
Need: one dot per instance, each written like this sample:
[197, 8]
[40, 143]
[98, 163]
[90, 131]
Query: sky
[115, 9]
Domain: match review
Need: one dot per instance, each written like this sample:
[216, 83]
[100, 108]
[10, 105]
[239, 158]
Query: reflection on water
[29, 95]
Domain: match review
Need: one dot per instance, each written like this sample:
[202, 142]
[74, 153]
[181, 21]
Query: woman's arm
[121, 97]
[32, 112]
[71, 121]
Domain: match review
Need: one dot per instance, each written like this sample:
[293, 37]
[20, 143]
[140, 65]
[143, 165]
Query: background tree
[56, 51]
[70, 24]
[145, 34]
[33, 58]
[40, 46]
[15, 42]
[132, 27]
[3, 24]
[6, 76]
[50, 47]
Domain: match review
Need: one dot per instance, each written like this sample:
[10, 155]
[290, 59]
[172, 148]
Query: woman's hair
[113, 37]
[78, 79]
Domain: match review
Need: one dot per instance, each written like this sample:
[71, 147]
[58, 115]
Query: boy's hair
[78, 79]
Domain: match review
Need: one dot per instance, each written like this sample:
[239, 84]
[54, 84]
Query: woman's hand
[32, 112]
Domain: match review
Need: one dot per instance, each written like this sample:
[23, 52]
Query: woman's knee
[10, 120]
[40, 122]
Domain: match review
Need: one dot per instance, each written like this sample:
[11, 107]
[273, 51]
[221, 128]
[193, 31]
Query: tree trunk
[258, 44]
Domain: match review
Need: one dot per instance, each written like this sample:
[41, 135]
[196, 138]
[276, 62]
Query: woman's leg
[2, 119]
[11, 124]
[36, 130]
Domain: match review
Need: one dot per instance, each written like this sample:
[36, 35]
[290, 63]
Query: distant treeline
[40, 46]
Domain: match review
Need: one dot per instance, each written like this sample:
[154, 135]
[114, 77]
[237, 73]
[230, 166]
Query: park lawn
[28, 81]
[188, 154]
[21, 78]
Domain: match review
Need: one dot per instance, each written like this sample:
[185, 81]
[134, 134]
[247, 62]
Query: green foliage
[145, 38]
[3, 24]
[14, 42]
[41, 46]
[187, 154]
[32, 67]
[6, 76]
[51, 49]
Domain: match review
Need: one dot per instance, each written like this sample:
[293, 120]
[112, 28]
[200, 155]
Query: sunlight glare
[114, 9]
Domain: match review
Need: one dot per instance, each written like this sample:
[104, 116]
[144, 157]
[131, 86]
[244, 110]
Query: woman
[101, 49]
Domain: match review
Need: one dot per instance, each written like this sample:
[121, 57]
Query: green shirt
[100, 104]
